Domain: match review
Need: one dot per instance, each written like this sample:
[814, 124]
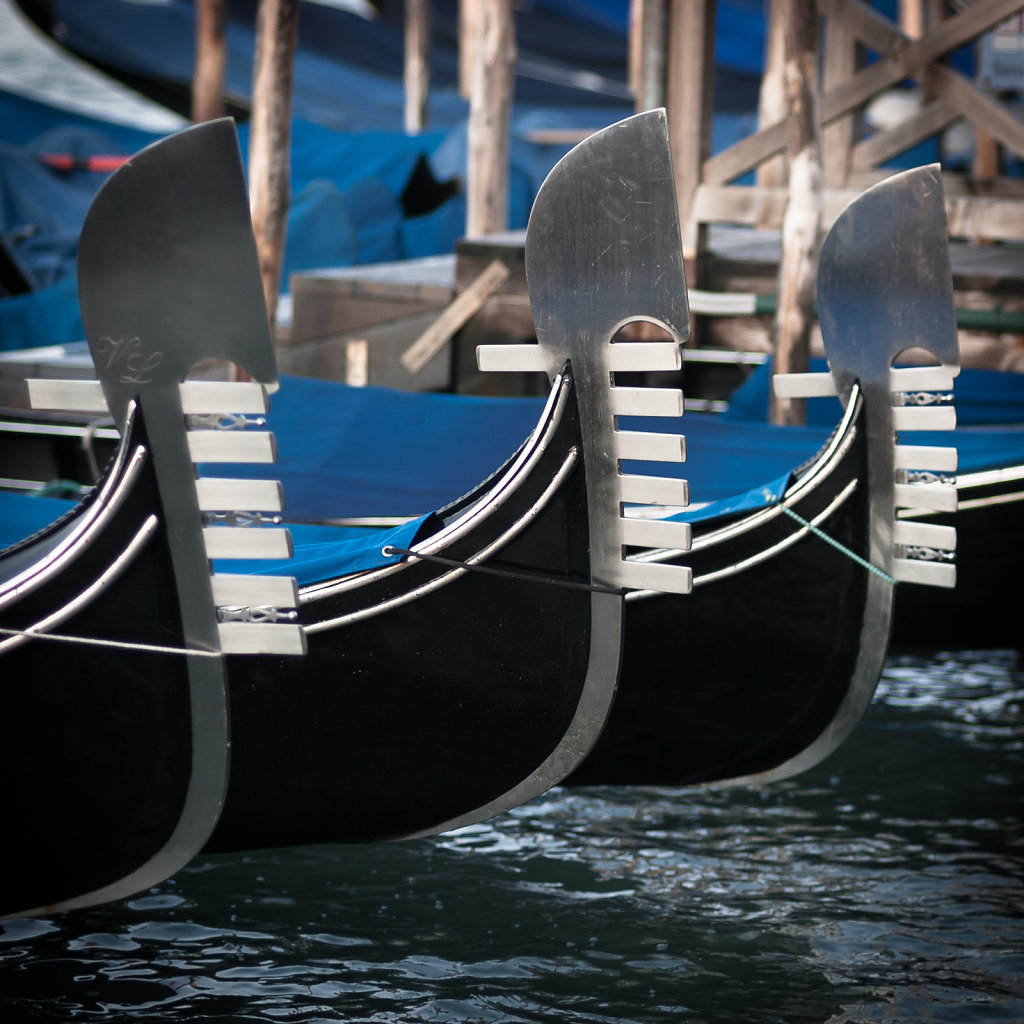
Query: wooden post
[270, 138]
[487, 171]
[647, 58]
[469, 34]
[211, 59]
[771, 99]
[842, 55]
[417, 64]
[690, 100]
[801, 226]
[911, 15]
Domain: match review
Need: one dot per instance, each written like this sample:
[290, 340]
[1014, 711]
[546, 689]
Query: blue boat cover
[384, 452]
[320, 552]
[377, 452]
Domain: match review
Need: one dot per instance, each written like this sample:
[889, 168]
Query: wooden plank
[961, 96]
[430, 342]
[841, 58]
[930, 120]
[989, 218]
[970, 101]
[760, 207]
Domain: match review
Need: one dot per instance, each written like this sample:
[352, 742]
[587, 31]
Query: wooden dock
[356, 323]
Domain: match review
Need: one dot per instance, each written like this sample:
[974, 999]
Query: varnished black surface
[742, 674]
[95, 744]
[409, 718]
[986, 608]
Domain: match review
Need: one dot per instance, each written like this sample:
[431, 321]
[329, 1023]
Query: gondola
[461, 664]
[801, 572]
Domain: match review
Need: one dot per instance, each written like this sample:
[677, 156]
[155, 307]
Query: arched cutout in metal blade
[168, 272]
[884, 281]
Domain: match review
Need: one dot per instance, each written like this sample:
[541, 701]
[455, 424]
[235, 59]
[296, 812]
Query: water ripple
[885, 885]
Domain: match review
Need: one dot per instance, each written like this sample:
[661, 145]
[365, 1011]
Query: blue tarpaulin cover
[377, 452]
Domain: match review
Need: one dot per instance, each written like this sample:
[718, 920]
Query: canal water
[887, 884]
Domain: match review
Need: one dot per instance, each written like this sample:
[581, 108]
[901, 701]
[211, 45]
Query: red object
[68, 162]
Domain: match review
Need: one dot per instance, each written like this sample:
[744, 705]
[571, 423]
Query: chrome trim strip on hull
[95, 518]
[449, 577]
[497, 496]
[822, 468]
[97, 587]
[996, 499]
[776, 549]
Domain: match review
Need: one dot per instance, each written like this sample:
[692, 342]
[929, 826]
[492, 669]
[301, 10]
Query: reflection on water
[885, 885]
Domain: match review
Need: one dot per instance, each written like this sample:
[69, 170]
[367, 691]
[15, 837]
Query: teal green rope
[839, 547]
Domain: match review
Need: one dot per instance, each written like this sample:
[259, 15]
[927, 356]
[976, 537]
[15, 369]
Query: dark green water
[885, 885]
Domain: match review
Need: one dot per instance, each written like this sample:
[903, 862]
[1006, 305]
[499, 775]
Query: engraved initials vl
[130, 356]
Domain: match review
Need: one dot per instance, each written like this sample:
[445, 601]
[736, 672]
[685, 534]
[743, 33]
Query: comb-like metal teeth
[934, 497]
[512, 358]
[256, 614]
[921, 401]
[240, 589]
[650, 447]
[645, 356]
[219, 493]
[261, 638]
[210, 397]
[922, 378]
[939, 459]
[242, 542]
[661, 577]
[804, 385]
[934, 574]
[656, 533]
[927, 535]
[68, 395]
[646, 401]
[229, 446]
[932, 417]
[654, 490]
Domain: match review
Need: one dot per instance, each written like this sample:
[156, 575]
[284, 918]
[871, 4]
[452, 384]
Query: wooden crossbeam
[956, 96]
[967, 216]
[882, 146]
[972, 103]
[901, 58]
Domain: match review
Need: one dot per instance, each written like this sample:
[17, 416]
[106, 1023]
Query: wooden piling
[211, 60]
[690, 101]
[801, 227]
[771, 100]
[647, 52]
[417, 64]
[270, 138]
[489, 113]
